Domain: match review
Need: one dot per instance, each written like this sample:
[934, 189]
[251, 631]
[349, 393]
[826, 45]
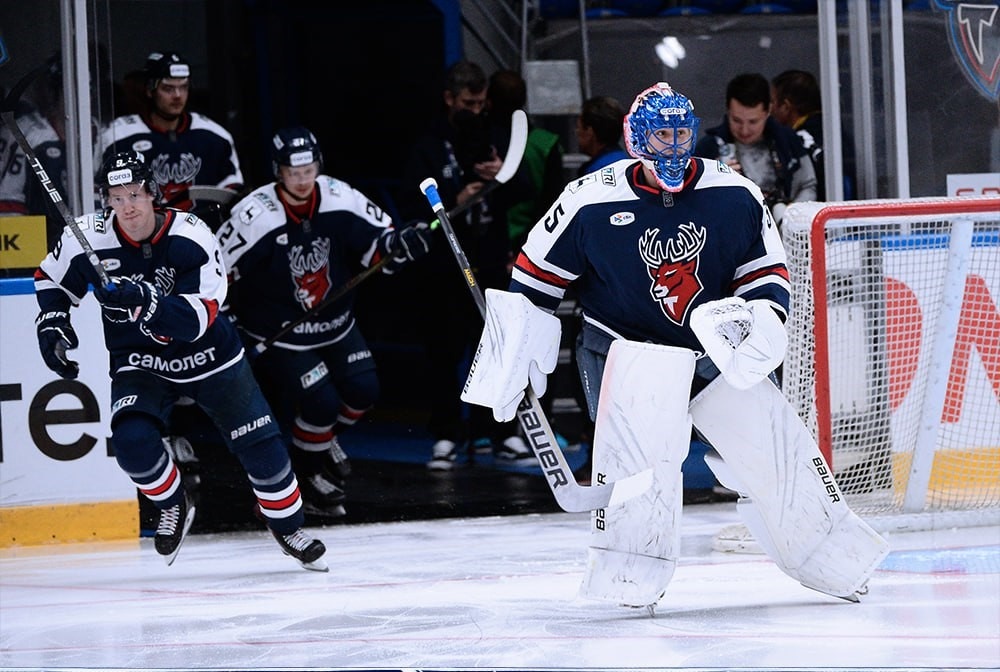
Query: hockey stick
[570, 495]
[511, 162]
[7, 108]
[319, 307]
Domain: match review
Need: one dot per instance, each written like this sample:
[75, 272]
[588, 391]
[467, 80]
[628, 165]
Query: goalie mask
[660, 130]
[294, 146]
[127, 168]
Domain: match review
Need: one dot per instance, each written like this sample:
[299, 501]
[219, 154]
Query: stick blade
[515, 150]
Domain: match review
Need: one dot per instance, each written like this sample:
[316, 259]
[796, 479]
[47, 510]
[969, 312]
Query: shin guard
[788, 497]
[642, 422]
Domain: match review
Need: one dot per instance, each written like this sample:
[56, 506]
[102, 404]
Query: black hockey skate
[173, 528]
[321, 482]
[341, 463]
[306, 550]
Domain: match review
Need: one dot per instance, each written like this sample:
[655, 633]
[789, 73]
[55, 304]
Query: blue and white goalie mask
[660, 130]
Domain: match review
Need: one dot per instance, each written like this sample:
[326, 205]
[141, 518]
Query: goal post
[894, 353]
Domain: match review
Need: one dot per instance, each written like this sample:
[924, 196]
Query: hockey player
[160, 326]
[671, 256]
[183, 148]
[287, 246]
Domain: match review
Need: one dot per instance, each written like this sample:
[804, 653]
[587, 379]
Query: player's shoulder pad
[259, 207]
[190, 225]
[332, 186]
[131, 122]
[95, 227]
[716, 173]
[36, 129]
[203, 123]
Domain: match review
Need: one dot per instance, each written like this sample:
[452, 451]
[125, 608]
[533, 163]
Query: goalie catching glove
[410, 243]
[126, 300]
[55, 337]
[745, 340]
[519, 347]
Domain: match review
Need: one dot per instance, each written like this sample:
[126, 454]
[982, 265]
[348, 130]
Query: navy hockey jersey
[200, 152]
[282, 267]
[640, 259]
[185, 341]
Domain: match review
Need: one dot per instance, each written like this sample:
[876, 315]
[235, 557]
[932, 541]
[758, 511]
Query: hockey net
[894, 356]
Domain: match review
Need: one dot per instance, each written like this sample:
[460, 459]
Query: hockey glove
[411, 242]
[126, 300]
[746, 340]
[55, 337]
[519, 347]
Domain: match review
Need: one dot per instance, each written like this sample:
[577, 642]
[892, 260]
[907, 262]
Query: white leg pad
[789, 499]
[642, 422]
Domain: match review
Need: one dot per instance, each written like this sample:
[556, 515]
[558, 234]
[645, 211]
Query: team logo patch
[310, 272]
[111, 264]
[574, 187]
[673, 268]
[314, 375]
[622, 218]
[128, 400]
[974, 34]
[142, 145]
[267, 201]
[608, 176]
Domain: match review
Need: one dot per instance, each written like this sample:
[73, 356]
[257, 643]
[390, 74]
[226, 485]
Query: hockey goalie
[680, 273]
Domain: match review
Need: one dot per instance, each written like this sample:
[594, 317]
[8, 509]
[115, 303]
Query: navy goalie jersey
[640, 259]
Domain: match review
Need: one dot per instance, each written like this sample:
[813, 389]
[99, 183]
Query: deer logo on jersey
[310, 272]
[673, 268]
[175, 178]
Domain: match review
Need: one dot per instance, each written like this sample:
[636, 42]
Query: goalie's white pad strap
[519, 346]
[746, 340]
[642, 423]
[789, 498]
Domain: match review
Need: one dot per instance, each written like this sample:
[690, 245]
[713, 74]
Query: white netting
[894, 349]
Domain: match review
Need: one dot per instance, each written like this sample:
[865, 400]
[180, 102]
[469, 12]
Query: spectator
[796, 103]
[757, 146]
[543, 154]
[184, 149]
[459, 153]
[599, 132]
[288, 246]
[160, 328]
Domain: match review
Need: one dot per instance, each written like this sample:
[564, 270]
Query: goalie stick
[511, 162]
[569, 495]
[7, 108]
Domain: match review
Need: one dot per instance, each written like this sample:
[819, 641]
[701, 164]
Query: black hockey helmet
[294, 146]
[161, 64]
[128, 167]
